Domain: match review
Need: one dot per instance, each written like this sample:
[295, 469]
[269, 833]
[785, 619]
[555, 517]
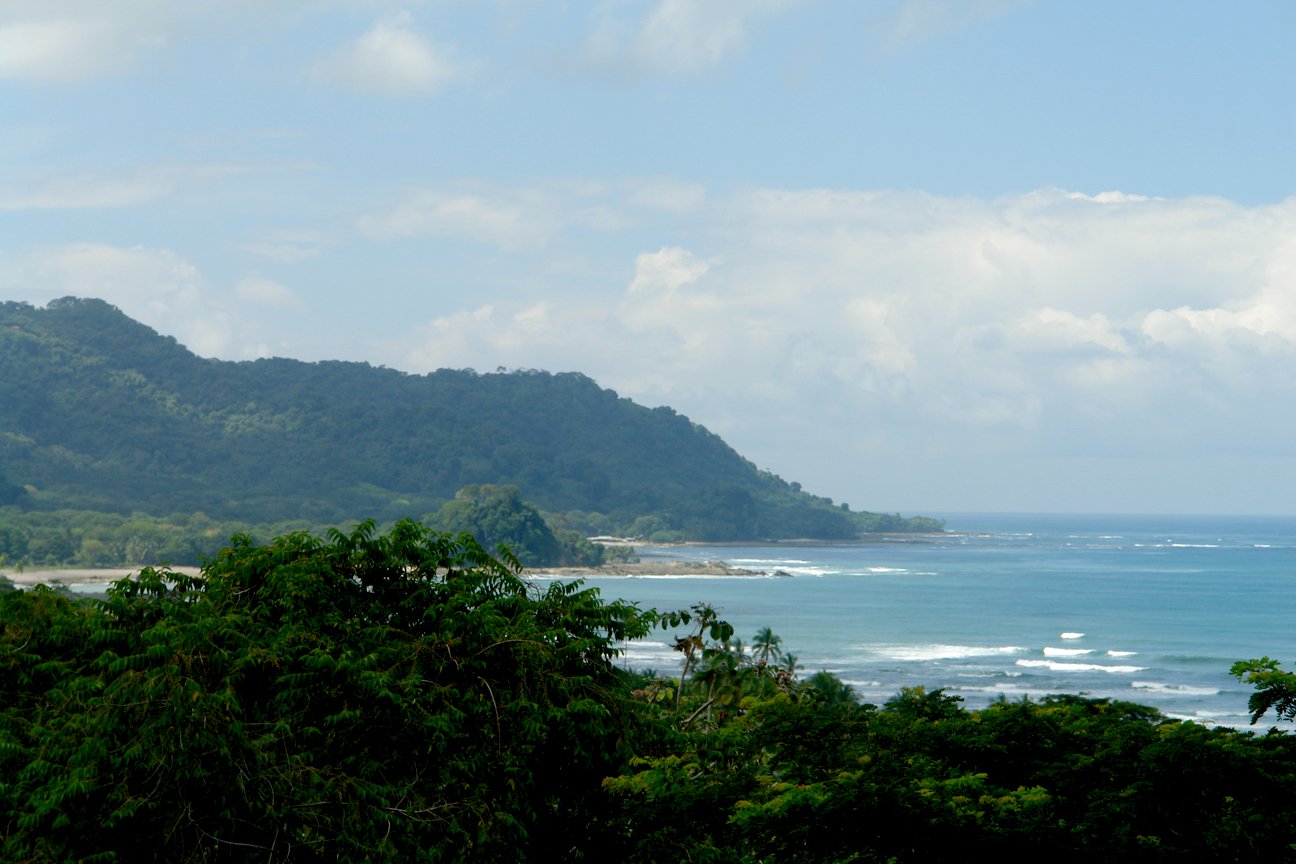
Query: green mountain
[99, 412]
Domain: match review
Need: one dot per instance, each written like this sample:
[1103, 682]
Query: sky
[922, 256]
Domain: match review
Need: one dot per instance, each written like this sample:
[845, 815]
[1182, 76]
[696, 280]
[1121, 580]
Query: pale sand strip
[79, 576]
[105, 575]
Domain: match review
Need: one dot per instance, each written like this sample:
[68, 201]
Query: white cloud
[67, 41]
[266, 292]
[391, 59]
[85, 192]
[679, 37]
[672, 196]
[94, 191]
[284, 253]
[513, 219]
[659, 275]
[910, 21]
[288, 247]
[155, 286]
[510, 222]
[1053, 330]
[869, 322]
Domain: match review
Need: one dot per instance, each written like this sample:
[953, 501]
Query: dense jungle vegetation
[101, 415]
[406, 697]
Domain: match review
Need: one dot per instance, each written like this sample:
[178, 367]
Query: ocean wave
[999, 690]
[921, 653]
[1121, 653]
[1071, 635]
[1066, 652]
[662, 576]
[1059, 666]
[1174, 689]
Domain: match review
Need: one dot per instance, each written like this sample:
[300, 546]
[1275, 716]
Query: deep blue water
[1150, 609]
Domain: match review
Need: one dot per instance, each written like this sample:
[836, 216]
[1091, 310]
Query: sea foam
[941, 652]
[1174, 689]
[1058, 666]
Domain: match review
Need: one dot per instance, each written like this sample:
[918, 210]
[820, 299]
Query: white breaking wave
[1071, 635]
[1066, 652]
[1059, 666]
[1121, 653]
[1174, 689]
[941, 652]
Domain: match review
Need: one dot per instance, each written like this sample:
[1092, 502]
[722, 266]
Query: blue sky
[919, 256]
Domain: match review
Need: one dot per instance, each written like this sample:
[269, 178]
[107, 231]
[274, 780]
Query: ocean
[1148, 609]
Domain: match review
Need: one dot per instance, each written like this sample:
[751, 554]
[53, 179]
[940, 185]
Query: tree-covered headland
[102, 416]
[406, 696]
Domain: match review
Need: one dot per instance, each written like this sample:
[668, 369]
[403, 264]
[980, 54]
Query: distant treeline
[495, 516]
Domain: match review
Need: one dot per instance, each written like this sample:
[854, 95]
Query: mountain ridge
[101, 412]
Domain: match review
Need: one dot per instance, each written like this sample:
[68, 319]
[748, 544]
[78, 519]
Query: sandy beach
[99, 577]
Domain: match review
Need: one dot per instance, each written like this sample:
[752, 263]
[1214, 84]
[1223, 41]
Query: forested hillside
[100, 413]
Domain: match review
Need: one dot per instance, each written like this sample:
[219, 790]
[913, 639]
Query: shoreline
[646, 568]
[71, 576]
[99, 578]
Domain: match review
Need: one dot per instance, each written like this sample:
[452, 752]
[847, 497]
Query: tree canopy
[408, 697]
[404, 697]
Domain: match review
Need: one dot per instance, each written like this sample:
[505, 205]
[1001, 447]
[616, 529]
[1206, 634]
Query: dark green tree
[399, 697]
[1275, 688]
[497, 516]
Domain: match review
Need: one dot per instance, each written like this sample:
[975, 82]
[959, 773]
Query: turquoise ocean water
[1150, 609]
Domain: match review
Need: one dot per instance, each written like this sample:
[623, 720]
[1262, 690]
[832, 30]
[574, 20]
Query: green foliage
[100, 413]
[383, 698]
[799, 779]
[1275, 688]
[801, 772]
[496, 516]
[408, 697]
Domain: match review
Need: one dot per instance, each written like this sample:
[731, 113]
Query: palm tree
[766, 645]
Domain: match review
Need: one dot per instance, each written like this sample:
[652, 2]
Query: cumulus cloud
[155, 286]
[1032, 325]
[679, 37]
[391, 58]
